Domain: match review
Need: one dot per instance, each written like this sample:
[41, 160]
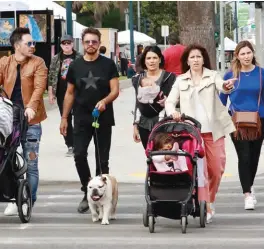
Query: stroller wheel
[151, 225]
[145, 216]
[184, 224]
[24, 201]
[203, 213]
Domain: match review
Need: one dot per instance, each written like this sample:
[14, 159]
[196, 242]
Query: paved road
[56, 224]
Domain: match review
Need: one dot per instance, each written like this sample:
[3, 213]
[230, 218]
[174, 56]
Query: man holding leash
[24, 79]
[92, 83]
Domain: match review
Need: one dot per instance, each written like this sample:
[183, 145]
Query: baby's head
[163, 141]
[147, 82]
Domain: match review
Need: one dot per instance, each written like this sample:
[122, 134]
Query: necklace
[249, 72]
[246, 74]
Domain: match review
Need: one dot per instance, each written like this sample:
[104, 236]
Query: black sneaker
[83, 206]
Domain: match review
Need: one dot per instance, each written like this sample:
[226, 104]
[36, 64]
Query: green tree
[158, 13]
[97, 8]
[229, 24]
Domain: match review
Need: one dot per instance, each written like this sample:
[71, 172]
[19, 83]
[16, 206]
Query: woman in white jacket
[197, 91]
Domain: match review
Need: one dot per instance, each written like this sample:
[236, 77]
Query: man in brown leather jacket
[24, 78]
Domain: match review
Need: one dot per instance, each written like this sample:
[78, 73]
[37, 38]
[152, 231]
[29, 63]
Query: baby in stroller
[168, 163]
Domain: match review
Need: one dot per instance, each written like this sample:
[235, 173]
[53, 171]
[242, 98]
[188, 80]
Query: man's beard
[91, 52]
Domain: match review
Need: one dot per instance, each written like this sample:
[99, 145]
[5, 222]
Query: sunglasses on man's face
[93, 42]
[66, 43]
[31, 44]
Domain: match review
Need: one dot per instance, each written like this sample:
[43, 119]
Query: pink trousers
[215, 161]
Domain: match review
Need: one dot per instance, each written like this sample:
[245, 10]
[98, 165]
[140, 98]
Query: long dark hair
[187, 51]
[155, 49]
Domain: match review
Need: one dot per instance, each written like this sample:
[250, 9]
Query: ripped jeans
[30, 147]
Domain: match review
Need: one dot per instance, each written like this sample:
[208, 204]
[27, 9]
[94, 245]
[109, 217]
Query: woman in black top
[158, 84]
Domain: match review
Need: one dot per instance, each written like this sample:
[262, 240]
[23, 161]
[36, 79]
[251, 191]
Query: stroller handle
[186, 117]
[169, 153]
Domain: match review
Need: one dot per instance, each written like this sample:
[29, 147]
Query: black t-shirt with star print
[92, 83]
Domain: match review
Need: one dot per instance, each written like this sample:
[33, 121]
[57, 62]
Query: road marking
[24, 226]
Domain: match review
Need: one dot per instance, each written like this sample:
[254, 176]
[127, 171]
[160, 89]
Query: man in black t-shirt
[92, 83]
[58, 85]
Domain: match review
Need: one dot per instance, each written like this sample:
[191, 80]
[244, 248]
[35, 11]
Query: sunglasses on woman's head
[31, 43]
[93, 42]
[66, 43]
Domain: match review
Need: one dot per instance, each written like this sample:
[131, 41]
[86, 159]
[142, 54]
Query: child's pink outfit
[176, 164]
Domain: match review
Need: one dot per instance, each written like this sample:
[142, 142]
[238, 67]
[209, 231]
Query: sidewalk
[127, 159]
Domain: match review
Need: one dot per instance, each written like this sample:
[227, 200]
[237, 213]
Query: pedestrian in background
[172, 55]
[58, 85]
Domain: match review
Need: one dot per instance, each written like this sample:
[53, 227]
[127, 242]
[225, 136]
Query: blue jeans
[30, 152]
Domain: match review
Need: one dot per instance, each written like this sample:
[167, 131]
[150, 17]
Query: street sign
[164, 30]
[253, 26]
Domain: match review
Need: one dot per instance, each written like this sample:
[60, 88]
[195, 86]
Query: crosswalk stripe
[127, 216]
[114, 240]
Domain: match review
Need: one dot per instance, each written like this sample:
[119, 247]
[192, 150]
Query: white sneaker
[249, 203]
[212, 206]
[209, 218]
[253, 196]
[11, 209]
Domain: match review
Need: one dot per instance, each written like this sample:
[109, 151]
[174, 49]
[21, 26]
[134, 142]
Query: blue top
[245, 95]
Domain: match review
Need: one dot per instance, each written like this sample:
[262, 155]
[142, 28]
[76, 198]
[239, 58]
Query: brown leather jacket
[33, 82]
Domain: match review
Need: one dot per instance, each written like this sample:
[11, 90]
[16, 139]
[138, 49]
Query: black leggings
[248, 153]
[144, 134]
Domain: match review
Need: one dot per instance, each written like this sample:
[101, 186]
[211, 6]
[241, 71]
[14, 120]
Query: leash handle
[96, 125]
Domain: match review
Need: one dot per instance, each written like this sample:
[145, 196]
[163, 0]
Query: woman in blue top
[244, 97]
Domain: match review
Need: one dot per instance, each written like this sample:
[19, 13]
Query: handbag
[248, 124]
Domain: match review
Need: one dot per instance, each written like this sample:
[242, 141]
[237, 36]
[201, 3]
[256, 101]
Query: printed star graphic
[90, 81]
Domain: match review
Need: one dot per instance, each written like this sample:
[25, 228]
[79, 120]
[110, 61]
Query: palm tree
[122, 6]
[100, 9]
[197, 25]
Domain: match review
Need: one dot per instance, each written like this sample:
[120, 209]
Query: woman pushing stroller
[197, 91]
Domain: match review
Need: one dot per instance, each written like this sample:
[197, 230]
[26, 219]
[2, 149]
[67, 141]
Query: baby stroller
[13, 126]
[174, 195]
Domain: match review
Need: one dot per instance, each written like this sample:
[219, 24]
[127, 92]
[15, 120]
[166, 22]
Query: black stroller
[12, 164]
[174, 195]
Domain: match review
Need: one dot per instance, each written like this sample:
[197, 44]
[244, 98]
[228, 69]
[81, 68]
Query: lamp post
[222, 38]
[69, 17]
[131, 27]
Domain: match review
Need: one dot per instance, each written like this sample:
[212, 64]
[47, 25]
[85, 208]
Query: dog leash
[96, 125]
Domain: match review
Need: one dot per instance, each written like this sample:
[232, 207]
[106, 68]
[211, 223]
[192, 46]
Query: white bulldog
[102, 198]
